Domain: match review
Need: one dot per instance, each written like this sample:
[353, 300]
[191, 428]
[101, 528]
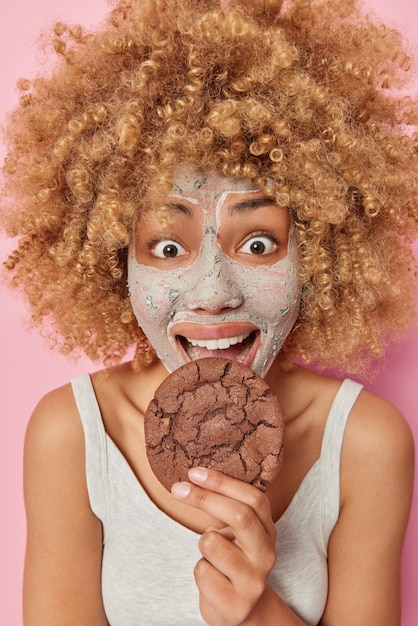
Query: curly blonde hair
[303, 93]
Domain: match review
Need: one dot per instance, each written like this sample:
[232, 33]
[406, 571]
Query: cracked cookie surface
[215, 413]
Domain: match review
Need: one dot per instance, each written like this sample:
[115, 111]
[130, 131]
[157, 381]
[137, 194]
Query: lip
[217, 331]
[212, 331]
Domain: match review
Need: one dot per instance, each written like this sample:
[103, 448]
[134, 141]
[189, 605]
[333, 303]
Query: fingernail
[199, 474]
[180, 490]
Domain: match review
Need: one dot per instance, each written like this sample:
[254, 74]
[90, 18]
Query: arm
[64, 538]
[376, 491]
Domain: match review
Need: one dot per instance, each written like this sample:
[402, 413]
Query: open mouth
[240, 348]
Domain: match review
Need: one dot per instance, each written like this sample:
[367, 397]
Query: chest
[149, 559]
[302, 446]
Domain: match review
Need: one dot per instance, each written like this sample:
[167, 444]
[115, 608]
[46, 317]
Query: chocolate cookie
[216, 413]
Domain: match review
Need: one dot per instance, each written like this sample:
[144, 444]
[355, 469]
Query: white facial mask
[215, 300]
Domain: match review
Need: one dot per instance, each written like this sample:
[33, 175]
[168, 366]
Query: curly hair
[301, 93]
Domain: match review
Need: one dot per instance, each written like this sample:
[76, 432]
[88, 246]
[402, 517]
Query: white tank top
[148, 558]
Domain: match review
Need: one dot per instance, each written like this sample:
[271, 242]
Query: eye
[260, 244]
[168, 249]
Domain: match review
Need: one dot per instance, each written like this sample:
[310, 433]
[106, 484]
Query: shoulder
[54, 449]
[378, 442]
[375, 426]
[378, 432]
[378, 455]
[55, 421]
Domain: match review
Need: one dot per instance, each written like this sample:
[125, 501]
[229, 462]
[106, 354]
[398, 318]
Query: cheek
[145, 291]
[270, 291]
[153, 293]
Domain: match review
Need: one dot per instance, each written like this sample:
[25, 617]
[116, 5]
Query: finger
[213, 586]
[235, 564]
[227, 558]
[219, 601]
[237, 489]
[241, 517]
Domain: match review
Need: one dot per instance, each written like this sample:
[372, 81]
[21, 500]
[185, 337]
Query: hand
[238, 548]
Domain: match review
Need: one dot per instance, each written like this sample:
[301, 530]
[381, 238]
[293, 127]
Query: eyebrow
[176, 207]
[236, 209]
[250, 205]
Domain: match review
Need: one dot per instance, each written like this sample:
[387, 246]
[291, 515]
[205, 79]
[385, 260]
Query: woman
[176, 140]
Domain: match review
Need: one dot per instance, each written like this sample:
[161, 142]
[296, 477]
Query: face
[213, 272]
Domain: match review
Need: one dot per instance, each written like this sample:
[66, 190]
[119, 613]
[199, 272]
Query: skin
[199, 262]
[62, 573]
[235, 520]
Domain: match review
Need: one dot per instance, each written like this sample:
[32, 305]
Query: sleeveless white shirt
[148, 558]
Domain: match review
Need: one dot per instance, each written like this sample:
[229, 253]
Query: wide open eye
[259, 245]
[168, 249]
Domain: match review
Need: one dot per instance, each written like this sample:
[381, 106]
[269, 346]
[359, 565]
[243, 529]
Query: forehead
[206, 187]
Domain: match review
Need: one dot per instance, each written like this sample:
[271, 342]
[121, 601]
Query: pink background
[29, 369]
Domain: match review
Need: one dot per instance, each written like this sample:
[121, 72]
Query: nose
[215, 289]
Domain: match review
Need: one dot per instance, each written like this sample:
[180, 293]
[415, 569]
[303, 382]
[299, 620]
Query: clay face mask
[214, 272]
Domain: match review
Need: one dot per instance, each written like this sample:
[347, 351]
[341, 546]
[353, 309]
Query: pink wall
[28, 369]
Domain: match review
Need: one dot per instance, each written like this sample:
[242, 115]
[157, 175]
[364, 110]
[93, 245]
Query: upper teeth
[217, 344]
